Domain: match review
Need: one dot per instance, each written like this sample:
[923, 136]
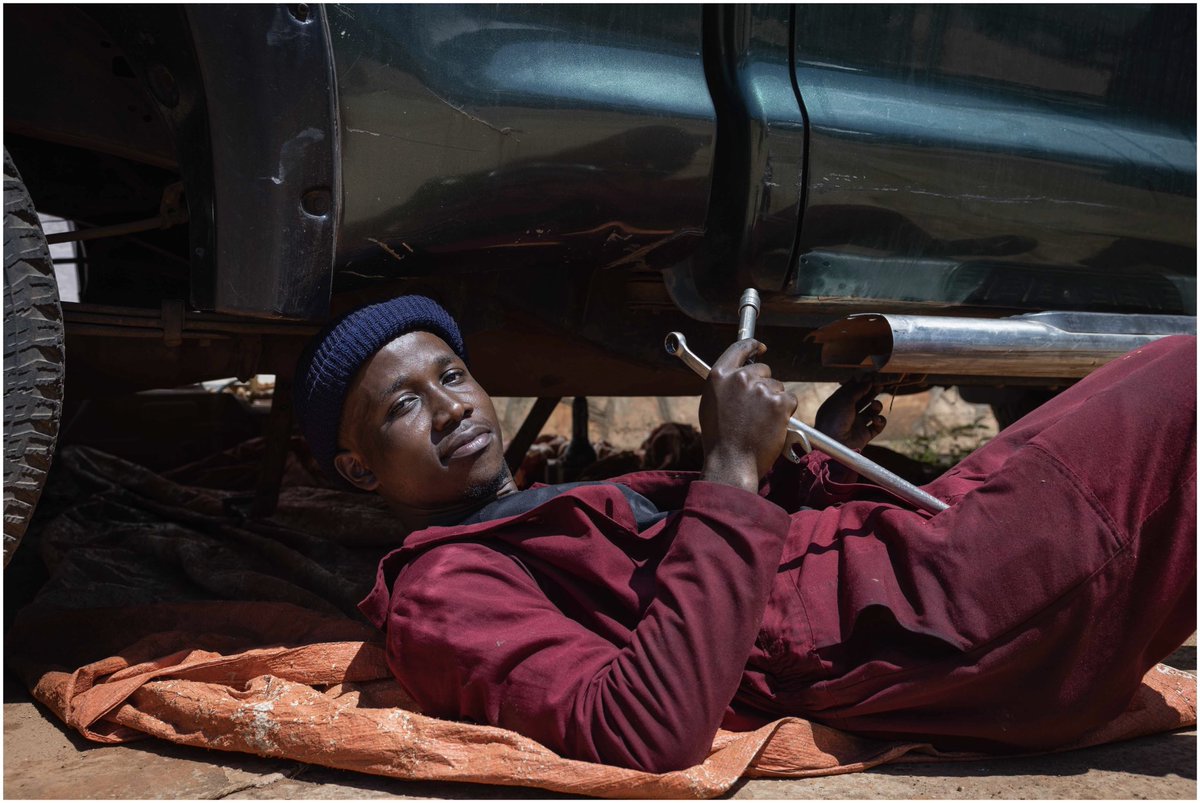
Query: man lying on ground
[625, 621]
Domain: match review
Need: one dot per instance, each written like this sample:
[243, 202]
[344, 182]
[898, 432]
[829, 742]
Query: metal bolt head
[317, 201]
[162, 84]
[300, 11]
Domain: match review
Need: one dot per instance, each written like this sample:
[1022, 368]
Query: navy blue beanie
[330, 362]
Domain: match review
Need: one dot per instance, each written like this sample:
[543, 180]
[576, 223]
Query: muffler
[1060, 345]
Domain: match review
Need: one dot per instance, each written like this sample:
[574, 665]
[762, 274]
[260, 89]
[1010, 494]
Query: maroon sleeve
[817, 481]
[471, 635]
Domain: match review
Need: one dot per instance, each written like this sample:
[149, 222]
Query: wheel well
[92, 144]
[77, 86]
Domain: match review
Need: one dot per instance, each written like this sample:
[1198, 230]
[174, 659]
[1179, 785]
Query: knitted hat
[331, 360]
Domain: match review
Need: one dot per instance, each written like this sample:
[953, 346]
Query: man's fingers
[757, 370]
[792, 401]
[853, 388]
[858, 392]
[776, 391]
[736, 355]
[873, 407]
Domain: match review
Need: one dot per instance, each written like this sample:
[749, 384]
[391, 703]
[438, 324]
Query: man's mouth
[464, 444]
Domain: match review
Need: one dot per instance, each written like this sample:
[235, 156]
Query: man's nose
[449, 410]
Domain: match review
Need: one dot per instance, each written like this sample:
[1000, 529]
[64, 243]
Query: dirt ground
[935, 420]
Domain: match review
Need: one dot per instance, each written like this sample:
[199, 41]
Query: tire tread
[33, 359]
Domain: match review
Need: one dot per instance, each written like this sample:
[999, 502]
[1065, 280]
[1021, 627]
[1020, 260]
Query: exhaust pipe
[1058, 345]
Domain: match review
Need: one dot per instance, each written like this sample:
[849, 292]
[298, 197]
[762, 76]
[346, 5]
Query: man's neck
[415, 519]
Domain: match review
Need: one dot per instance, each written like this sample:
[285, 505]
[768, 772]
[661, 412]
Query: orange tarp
[278, 680]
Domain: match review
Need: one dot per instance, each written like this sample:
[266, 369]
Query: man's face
[419, 430]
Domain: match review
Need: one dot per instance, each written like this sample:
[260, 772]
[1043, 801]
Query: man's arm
[471, 634]
[853, 416]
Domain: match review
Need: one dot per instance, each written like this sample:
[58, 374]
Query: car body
[578, 180]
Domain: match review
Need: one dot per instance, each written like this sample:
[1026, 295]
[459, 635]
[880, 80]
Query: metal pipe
[748, 308]
[100, 232]
[172, 211]
[1064, 345]
[676, 344]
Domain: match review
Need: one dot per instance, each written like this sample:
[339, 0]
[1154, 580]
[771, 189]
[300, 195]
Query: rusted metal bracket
[539, 414]
[172, 211]
[172, 321]
[277, 439]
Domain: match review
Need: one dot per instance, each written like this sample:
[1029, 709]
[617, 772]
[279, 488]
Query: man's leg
[1027, 613]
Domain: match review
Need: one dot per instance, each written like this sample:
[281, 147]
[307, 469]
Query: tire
[33, 359]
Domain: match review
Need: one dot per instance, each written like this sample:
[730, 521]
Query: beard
[487, 489]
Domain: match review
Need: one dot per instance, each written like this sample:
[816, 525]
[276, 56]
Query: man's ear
[355, 471]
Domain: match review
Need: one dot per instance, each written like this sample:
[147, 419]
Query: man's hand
[851, 414]
[743, 417]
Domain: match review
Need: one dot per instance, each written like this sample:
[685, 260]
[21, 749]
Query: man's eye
[401, 406]
[453, 376]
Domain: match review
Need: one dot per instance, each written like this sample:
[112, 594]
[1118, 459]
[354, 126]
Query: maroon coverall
[1021, 617]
